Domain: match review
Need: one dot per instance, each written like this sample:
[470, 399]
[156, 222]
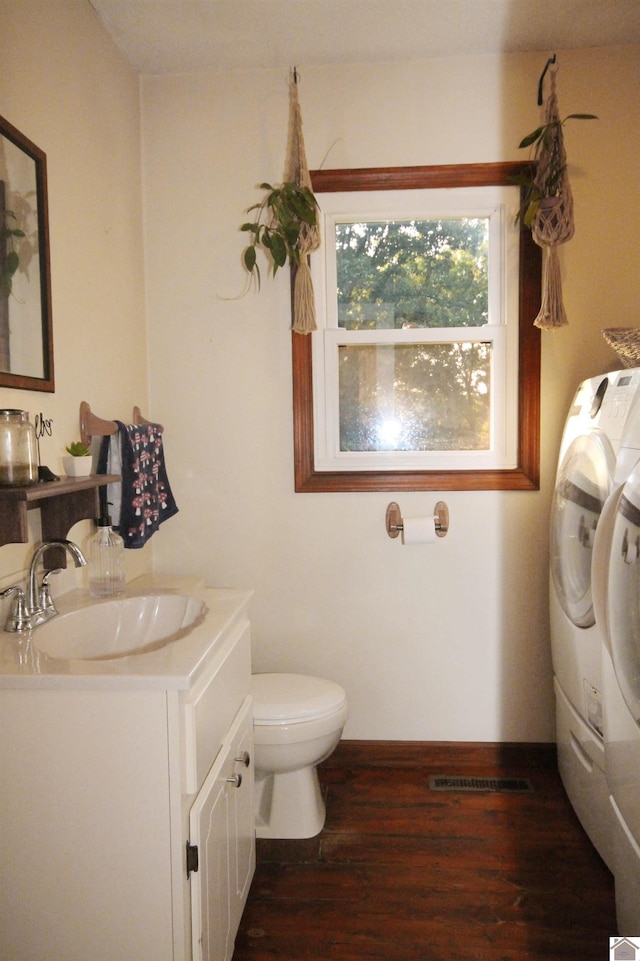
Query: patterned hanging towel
[143, 499]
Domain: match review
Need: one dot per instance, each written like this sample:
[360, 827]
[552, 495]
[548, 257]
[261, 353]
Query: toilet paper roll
[418, 530]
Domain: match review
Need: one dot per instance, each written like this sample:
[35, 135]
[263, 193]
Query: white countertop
[174, 666]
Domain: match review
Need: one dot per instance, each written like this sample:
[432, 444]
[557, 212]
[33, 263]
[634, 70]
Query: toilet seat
[284, 699]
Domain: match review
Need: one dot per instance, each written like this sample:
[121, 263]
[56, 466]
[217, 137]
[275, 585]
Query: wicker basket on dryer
[626, 343]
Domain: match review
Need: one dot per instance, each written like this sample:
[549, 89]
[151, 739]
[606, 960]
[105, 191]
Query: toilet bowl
[298, 721]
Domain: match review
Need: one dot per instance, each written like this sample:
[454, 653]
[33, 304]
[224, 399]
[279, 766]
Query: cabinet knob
[235, 779]
[245, 759]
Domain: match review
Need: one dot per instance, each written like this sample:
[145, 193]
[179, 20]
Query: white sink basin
[120, 627]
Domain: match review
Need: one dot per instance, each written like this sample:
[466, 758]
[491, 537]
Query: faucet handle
[47, 607]
[18, 620]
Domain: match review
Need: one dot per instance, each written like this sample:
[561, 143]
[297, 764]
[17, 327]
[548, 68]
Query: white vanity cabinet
[109, 781]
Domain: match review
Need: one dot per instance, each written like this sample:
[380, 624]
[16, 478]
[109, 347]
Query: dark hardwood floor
[405, 873]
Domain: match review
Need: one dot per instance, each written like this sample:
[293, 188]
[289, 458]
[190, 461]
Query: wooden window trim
[526, 475]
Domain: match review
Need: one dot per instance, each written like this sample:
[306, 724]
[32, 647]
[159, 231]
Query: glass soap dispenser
[106, 559]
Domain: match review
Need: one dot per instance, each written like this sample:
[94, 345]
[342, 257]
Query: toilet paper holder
[394, 525]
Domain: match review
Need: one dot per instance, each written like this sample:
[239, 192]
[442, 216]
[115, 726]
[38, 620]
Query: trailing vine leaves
[8, 235]
[279, 222]
[542, 138]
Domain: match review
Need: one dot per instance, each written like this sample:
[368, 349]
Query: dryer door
[623, 594]
[582, 486]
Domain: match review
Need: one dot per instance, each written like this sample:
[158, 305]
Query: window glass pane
[412, 273]
[422, 397]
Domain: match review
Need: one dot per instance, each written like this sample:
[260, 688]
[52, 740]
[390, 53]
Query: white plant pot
[77, 466]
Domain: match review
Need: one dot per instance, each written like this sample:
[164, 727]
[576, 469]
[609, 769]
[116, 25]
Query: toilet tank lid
[282, 698]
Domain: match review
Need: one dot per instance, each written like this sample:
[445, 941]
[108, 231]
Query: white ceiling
[178, 36]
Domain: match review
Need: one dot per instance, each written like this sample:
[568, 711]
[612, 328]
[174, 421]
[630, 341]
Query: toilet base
[289, 804]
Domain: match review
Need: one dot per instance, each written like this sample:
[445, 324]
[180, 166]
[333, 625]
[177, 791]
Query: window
[424, 372]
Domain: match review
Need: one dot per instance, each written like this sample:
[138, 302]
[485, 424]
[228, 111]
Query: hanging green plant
[282, 218]
[543, 184]
[546, 206]
[9, 265]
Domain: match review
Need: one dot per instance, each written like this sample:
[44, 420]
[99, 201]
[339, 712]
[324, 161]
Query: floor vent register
[496, 784]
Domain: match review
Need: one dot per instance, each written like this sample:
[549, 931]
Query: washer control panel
[612, 400]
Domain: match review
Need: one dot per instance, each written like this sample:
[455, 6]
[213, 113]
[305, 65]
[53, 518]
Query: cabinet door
[243, 843]
[211, 884]
[222, 825]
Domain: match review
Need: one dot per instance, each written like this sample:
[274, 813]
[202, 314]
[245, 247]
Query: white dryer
[585, 477]
[617, 602]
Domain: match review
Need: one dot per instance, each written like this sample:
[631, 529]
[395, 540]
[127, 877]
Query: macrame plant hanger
[296, 171]
[553, 223]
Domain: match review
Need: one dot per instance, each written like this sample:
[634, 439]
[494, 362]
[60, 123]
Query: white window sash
[501, 331]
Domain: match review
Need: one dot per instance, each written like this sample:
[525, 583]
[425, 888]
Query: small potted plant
[78, 460]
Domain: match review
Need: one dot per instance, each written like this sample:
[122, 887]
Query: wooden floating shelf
[62, 504]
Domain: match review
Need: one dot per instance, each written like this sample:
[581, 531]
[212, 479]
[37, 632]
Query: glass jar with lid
[18, 449]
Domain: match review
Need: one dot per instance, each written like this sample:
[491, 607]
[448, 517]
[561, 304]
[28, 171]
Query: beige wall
[64, 85]
[448, 641]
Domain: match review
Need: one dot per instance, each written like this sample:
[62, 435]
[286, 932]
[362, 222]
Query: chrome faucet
[27, 613]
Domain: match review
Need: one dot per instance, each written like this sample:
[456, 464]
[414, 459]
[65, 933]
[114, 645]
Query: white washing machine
[585, 478]
[617, 603]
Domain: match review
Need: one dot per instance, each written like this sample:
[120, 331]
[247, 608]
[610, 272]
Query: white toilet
[298, 721]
